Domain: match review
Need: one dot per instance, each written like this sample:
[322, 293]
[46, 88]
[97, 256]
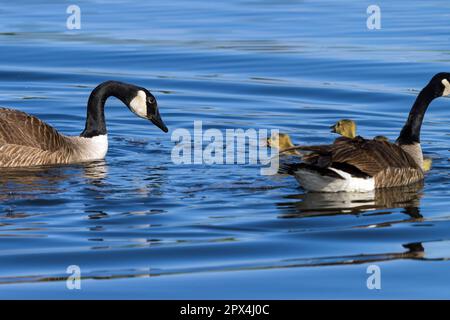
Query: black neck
[411, 130]
[95, 120]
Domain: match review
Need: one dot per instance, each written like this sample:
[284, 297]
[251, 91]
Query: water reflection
[412, 251]
[327, 204]
[28, 182]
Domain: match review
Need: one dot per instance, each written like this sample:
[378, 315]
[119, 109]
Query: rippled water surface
[140, 226]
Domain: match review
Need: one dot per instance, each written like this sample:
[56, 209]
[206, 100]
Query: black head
[144, 105]
[440, 84]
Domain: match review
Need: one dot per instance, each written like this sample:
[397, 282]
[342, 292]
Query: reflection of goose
[361, 165]
[27, 141]
[347, 128]
[318, 204]
[414, 250]
[34, 181]
[96, 170]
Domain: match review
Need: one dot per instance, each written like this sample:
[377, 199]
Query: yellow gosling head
[280, 141]
[381, 138]
[345, 127]
[427, 162]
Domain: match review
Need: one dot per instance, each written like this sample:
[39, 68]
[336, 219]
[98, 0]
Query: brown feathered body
[27, 141]
[357, 165]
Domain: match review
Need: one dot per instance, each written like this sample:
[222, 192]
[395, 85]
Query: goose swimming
[26, 140]
[362, 165]
[282, 142]
[347, 128]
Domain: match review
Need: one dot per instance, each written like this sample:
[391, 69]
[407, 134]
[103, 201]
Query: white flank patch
[313, 181]
[94, 148]
[447, 87]
[139, 104]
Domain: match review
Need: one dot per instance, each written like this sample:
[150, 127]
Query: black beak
[333, 128]
[157, 121]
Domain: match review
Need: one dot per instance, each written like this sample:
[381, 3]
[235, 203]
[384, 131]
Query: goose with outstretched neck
[362, 165]
[27, 141]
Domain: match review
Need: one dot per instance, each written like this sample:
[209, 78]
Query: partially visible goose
[361, 165]
[347, 128]
[27, 141]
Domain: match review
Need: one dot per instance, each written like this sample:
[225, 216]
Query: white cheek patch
[139, 104]
[447, 87]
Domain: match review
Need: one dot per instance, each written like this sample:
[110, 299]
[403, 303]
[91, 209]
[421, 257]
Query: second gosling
[282, 141]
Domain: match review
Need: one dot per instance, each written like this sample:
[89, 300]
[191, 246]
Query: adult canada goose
[347, 128]
[362, 165]
[27, 141]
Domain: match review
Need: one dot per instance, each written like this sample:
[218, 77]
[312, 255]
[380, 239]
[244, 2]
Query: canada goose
[362, 165]
[27, 141]
[282, 141]
[347, 128]
[381, 138]
[427, 163]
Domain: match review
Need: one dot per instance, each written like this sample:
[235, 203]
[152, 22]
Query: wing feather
[13, 155]
[20, 128]
[369, 156]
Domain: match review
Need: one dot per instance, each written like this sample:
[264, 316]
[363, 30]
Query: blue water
[140, 226]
